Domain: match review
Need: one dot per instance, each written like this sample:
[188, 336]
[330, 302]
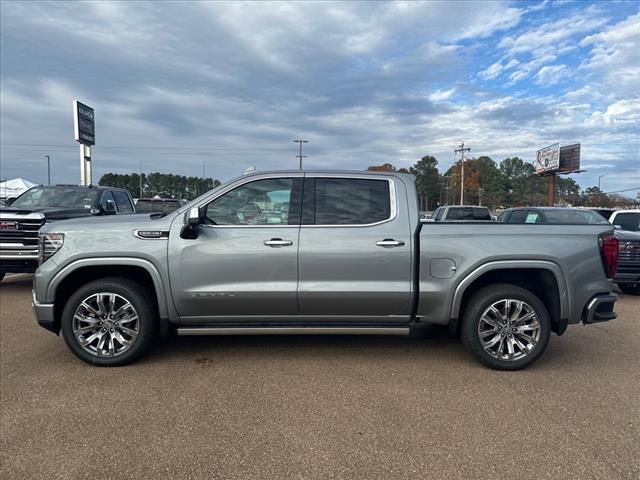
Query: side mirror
[110, 207]
[191, 224]
[617, 227]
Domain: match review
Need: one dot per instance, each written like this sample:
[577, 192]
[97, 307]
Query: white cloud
[440, 95]
[552, 74]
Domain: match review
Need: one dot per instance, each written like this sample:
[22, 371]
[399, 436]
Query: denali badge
[8, 225]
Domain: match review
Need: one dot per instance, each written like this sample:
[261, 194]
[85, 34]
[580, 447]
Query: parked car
[559, 215]
[19, 223]
[157, 205]
[350, 257]
[627, 219]
[462, 213]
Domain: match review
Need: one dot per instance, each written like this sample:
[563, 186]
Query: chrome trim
[19, 216]
[278, 243]
[292, 331]
[136, 233]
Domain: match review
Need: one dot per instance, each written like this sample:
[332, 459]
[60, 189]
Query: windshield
[628, 221]
[574, 216]
[39, 197]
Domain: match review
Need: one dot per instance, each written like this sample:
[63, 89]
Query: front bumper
[600, 309]
[44, 313]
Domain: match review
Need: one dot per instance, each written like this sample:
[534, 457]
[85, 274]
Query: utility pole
[480, 190]
[300, 141]
[462, 150]
[140, 196]
[49, 169]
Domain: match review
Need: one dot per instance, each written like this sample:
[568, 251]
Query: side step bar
[293, 331]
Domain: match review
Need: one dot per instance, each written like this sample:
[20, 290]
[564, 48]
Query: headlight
[49, 243]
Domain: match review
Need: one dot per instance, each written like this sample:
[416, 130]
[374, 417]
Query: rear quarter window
[351, 201]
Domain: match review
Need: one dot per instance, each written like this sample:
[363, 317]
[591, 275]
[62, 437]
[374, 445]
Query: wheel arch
[543, 278]
[80, 272]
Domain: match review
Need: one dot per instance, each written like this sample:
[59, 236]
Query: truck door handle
[278, 242]
[389, 242]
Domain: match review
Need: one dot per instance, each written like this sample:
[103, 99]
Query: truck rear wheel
[108, 322]
[506, 327]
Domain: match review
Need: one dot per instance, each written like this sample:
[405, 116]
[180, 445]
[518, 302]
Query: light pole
[48, 169]
[599, 180]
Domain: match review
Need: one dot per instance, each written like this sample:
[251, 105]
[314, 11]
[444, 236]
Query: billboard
[548, 159]
[83, 123]
[570, 158]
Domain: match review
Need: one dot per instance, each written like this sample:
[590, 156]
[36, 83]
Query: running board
[293, 331]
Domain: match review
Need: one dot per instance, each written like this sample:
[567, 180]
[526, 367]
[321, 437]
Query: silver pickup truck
[318, 253]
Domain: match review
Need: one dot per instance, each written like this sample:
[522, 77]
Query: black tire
[480, 302]
[630, 288]
[128, 290]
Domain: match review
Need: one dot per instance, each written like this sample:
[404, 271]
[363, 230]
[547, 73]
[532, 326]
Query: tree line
[165, 185]
[511, 183]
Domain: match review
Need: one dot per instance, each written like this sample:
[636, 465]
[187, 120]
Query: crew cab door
[244, 261]
[355, 249]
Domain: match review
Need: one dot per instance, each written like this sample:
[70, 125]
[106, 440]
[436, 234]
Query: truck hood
[111, 223]
[50, 213]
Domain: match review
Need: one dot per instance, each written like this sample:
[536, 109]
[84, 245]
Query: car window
[157, 206]
[574, 216]
[468, 213]
[107, 196]
[502, 217]
[263, 202]
[532, 217]
[351, 201]
[517, 216]
[58, 196]
[123, 202]
[628, 221]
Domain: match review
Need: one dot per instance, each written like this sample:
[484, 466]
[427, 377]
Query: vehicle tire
[109, 322]
[494, 310]
[630, 288]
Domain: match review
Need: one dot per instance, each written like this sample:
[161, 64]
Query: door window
[517, 216]
[532, 217]
[123, 202]
[351, 201]
[263, 202]
[107, 196]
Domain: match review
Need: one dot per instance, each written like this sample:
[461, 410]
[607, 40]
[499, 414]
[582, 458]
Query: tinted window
[107, 196]
[468, 213]
[574, 216]
[123, 202]
[263, 202]
[502, 217]
[342, 201]
[517, 216]
[628, 221]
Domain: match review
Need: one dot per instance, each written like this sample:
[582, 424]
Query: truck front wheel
[108, 322]
[506, 327]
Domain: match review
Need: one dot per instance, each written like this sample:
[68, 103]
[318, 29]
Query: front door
[355, 250]
[244, 261]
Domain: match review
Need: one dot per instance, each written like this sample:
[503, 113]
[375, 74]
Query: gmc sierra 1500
[318, 253]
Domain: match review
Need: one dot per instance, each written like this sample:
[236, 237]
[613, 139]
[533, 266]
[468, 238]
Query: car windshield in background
[628, 221]
[157, 206]
[39, 197]
[574, 216]
[468, 213]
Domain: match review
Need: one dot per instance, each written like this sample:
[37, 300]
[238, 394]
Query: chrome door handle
[389, 242]
[278, 242]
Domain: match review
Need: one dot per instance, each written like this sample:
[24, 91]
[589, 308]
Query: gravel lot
[318, 407]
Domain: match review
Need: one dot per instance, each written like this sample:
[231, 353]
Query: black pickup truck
[20, 222]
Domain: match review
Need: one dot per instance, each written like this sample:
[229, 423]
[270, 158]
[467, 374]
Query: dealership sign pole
[84, 133]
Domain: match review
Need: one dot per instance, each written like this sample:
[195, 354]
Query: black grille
[629, 256]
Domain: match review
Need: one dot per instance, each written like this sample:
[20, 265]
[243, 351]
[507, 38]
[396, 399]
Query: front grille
[629, 256]
[19, 235]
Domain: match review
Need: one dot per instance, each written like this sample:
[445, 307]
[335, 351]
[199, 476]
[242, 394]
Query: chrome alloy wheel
[509, 329]
[105, 324]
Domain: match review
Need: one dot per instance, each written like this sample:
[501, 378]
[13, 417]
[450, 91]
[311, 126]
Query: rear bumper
[44, 313]
[600, 309]
[627, 277]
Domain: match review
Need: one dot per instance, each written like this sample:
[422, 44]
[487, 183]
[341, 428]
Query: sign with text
[548, 159]
[84, 123]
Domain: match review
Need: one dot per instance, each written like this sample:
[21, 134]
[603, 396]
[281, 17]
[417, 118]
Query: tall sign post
[85, 135]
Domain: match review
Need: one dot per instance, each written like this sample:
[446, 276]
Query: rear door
[355, 249]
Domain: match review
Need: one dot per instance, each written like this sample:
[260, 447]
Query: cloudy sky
[176, 86]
